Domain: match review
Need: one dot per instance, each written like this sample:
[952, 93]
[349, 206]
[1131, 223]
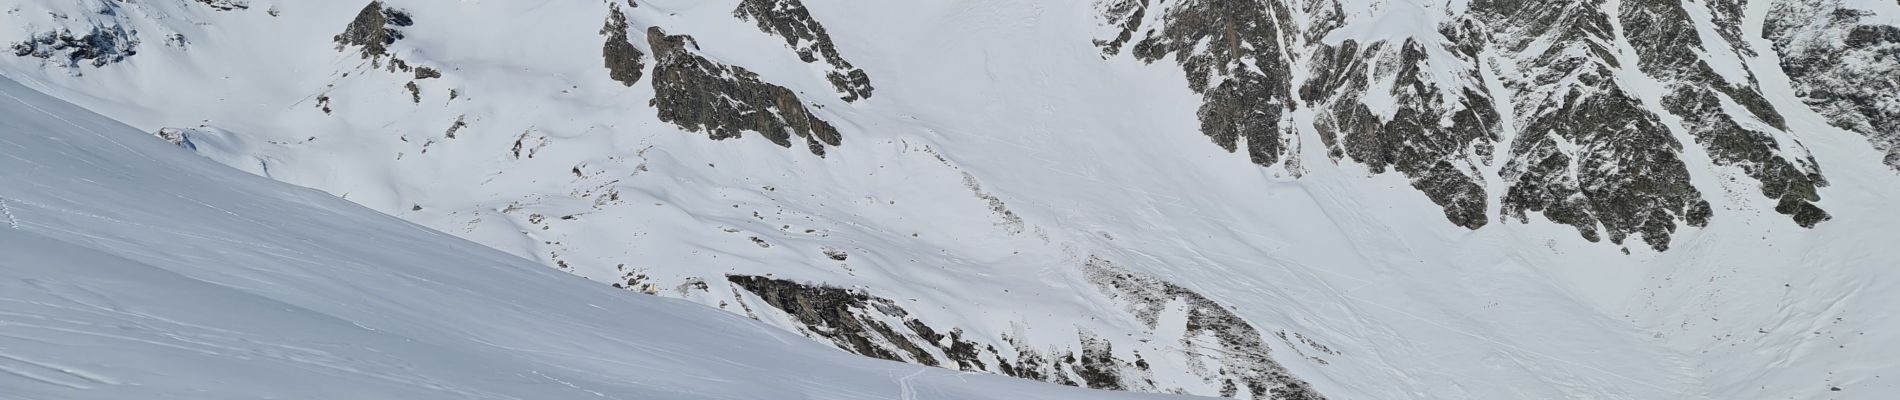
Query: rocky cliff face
[1221, 348]
[1385, 105]
[724, 101]
[1723, 110]
[1584, 146]
[625, 63]
[789, 19]
[1588, 153]
[374, 29]
[1843, 58]
[1236, 53]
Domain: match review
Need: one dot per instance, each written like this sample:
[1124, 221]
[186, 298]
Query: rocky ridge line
[789, 19]
[1588, 153]
[1843, 63]
[1665, 39]
[1236, 53]
[1436, 136]
[1222, 348]
[623, 61]
[725, 101]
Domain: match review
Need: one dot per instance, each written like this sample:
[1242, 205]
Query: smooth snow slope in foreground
[134, 269]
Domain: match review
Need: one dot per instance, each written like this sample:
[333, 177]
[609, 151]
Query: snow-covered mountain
[136, 270]
[1029, 188]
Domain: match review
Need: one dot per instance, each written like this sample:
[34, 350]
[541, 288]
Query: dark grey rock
[460, 122]
[624, 62]
[103, 44]
[415, 91]
[846, 317]
[1666, 41]
[227, 5]
[789, 19]
[1439, 157]
[1587, 153]
[374, 29]
[1235, 53]
[1126, 14]
[1097, 365]
[1843, 64]
[724, 101]
[855, 321]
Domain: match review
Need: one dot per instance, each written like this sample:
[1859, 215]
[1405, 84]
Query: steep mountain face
[790, 20]
[1384, 103]
[723, 101]
[625, 63]
[1031, 193]
[1841, 57]
[1588, 152]
[1717, 99]
[1236, 53]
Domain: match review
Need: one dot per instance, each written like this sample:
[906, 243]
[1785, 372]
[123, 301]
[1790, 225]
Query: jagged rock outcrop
[1236, 53]
[227, 5]
[1726, 114]
[725, 101]
[852, 320]
[790, 20]
[1843, 62]
[624, 62]
[1586, 150]
[1588, 153]
[1224, 350]
[877, 327]
[374, 29]
[102, 42]
[1384, 105]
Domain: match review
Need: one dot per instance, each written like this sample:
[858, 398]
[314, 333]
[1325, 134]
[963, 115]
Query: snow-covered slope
[1029, 188]
[137, 270]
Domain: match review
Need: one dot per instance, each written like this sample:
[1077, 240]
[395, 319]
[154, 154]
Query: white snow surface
[138, 270]
[1096, 157]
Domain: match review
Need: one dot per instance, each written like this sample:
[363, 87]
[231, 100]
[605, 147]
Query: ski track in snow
[85, 378]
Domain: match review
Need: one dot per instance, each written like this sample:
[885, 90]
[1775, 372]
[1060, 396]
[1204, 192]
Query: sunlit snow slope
[132, 269]
[1400, 198]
